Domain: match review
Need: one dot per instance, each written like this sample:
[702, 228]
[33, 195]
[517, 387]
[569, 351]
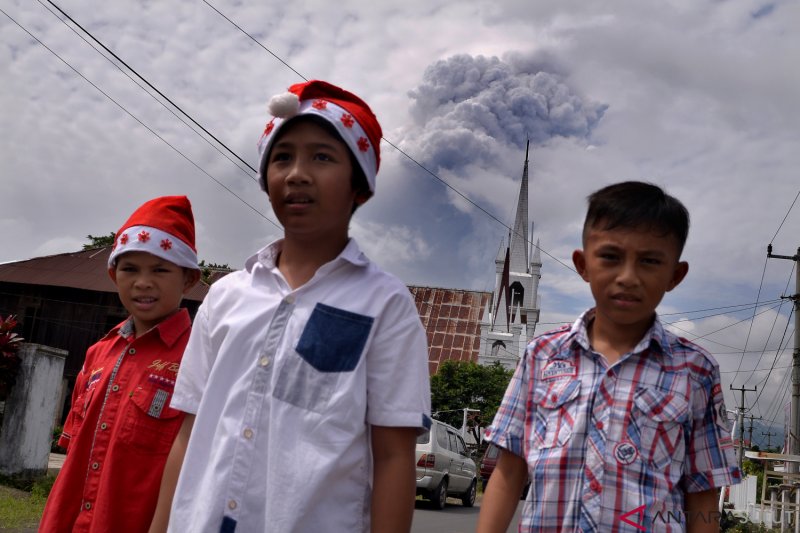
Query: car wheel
[468, 499]
[439, 496]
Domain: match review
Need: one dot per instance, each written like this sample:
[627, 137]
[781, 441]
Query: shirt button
[87, 505]
[248, 433]
[554, 397]
[599, 425]
[595, 486]
[657, 409]
[95, 466]
[103, 426]
[115, 388]
[132, 351]
[232, 505]
[264, 361]
[289, 299]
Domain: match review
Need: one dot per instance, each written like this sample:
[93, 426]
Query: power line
[134, 117]
[777, 301]
[153, 87]
[705, 336]
[785, 217]
[404, 153]
[771, 329]
[270, 52]
[777, 354]
[747, 305]
[750, 329]
[462, 195]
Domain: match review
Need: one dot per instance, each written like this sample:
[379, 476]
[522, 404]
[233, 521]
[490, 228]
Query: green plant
[54, 447]
[19, 510]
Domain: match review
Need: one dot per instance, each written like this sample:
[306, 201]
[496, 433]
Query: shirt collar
[655, 338]
[168, 330]
[268, 255]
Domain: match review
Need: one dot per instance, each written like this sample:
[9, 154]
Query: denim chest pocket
[659, 417]
[556, 410]
[331, 344]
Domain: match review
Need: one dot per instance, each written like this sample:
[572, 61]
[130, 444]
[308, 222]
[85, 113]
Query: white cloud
[701, 98]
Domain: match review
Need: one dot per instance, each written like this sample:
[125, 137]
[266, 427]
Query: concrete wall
[30, 411]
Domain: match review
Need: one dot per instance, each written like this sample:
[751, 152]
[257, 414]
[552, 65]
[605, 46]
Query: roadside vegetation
[22, 501]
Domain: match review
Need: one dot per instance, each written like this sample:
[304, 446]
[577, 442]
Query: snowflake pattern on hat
[352, 118]
[163, 227]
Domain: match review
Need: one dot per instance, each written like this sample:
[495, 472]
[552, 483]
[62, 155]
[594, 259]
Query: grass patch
[23, 508]
[20, 509]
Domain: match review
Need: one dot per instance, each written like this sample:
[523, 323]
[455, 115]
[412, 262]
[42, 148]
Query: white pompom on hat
[350, 116]
[163, 227]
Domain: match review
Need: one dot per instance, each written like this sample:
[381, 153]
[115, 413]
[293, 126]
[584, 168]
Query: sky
[697, 96]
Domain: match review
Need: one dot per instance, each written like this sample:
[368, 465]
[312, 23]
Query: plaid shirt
[614, 448]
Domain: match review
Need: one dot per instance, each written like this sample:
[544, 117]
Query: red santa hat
[163, 227]
[349, 114]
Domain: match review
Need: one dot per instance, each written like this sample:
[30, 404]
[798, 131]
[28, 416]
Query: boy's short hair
[637, 205]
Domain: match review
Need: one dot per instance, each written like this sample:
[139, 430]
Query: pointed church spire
[537, 255]
[518, 242]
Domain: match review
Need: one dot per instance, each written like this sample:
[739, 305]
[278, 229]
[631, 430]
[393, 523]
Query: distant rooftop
[452, 320]
[86, 269]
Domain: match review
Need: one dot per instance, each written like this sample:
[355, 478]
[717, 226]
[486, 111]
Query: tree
[460, 384]
[100, 242]
[208, 269]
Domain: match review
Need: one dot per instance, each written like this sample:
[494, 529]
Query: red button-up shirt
[119, 431]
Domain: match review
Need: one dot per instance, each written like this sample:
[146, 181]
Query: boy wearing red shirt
[120, 427]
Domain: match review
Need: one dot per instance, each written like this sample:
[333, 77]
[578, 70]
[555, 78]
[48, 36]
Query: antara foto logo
[639, 512]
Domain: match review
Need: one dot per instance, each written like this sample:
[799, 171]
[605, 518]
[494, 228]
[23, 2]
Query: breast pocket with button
[149, 423]
[660, 416]
[556, 410]
[331, 343]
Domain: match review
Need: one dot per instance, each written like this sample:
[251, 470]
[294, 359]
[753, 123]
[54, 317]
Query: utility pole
[464, 424]
[750, 429]
[794, 409]
[740, 408]
[768, 435]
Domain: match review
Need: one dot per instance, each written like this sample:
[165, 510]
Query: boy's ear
[681, 269]
[190, 279]
[112, 272]
[579, 260]
[362, 197]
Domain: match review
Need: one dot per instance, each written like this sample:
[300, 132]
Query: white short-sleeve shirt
[285, 385]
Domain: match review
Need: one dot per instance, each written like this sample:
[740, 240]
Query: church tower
[510, 320]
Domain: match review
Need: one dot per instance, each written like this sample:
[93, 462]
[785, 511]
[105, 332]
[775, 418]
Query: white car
[445, 467]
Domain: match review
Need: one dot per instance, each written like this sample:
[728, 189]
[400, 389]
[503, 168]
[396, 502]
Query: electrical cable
[134, 117]
[162, 95]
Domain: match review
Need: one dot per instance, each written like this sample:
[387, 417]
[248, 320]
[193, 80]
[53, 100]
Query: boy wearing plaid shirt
[620, 424]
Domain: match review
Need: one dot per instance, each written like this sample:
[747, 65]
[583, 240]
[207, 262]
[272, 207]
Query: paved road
[452, 519]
